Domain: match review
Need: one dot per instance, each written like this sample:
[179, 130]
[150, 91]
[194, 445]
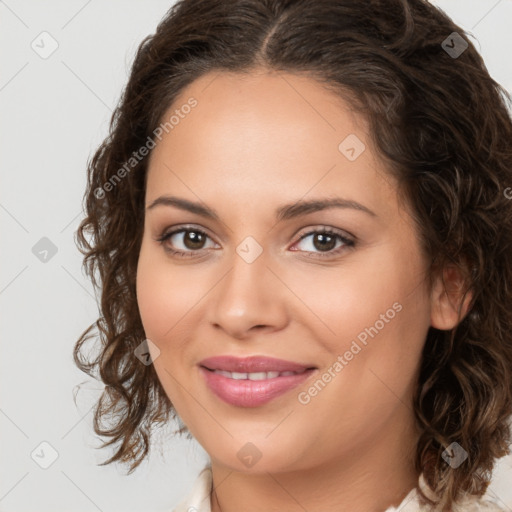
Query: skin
[253, 143]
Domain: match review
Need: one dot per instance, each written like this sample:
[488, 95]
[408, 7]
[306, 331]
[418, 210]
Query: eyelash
[348, 243]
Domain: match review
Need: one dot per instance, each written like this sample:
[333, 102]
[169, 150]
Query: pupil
[324, 237]
[194, 238]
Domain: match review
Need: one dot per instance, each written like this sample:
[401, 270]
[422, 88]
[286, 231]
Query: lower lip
[251, 393]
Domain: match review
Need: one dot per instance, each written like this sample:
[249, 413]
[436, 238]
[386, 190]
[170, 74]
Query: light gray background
[54, 112]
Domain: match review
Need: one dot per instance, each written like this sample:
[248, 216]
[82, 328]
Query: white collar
[198, 499]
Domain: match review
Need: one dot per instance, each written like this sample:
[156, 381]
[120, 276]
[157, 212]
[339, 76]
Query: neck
[360, 481]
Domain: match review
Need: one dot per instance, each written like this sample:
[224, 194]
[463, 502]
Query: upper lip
[252, 364]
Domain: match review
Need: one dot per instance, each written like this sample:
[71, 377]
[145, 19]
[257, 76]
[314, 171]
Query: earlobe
[446, 299]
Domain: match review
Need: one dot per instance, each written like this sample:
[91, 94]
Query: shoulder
[413, 502]
[198, 498]
[475, 504]
[469, 503]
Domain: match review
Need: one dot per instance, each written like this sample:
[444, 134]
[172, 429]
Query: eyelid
[323, 228]
[349, 240]
[180, 228]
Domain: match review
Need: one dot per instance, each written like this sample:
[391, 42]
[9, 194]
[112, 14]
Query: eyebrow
[285, 212]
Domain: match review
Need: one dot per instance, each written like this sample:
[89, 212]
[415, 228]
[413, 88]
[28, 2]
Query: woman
[303, 235]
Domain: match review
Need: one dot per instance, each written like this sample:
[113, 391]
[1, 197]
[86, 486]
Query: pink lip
[252, 364]
[251, 393]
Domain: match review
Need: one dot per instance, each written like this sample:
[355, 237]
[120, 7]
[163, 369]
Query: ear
[446, 299]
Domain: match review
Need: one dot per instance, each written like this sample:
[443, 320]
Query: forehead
[265, 135]
[264, 104]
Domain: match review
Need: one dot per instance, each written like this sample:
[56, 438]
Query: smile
[252, 389]
[255, 375]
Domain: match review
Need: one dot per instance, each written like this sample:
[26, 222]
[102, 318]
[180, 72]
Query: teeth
[254, 375]
[259, 376]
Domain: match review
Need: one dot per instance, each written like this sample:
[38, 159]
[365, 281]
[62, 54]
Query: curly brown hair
[438, 120]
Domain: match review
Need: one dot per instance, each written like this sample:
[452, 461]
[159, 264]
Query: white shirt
[198, 500]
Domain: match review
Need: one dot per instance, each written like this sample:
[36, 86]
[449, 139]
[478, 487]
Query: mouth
[253, 365]
[256, 375]
[253, 381]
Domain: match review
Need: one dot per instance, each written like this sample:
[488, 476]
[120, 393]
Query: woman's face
[352, 304]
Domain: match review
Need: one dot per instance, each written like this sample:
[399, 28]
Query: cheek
[380, 323]
[164, 295]
[149, 295]
[382, 304]
[352, 299]
[159, 307]
[163, 301]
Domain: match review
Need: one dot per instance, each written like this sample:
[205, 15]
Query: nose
[249, 298]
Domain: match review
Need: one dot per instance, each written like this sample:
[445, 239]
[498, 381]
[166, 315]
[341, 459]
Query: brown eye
[324, 241]
[184, 241]
[193, 239]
